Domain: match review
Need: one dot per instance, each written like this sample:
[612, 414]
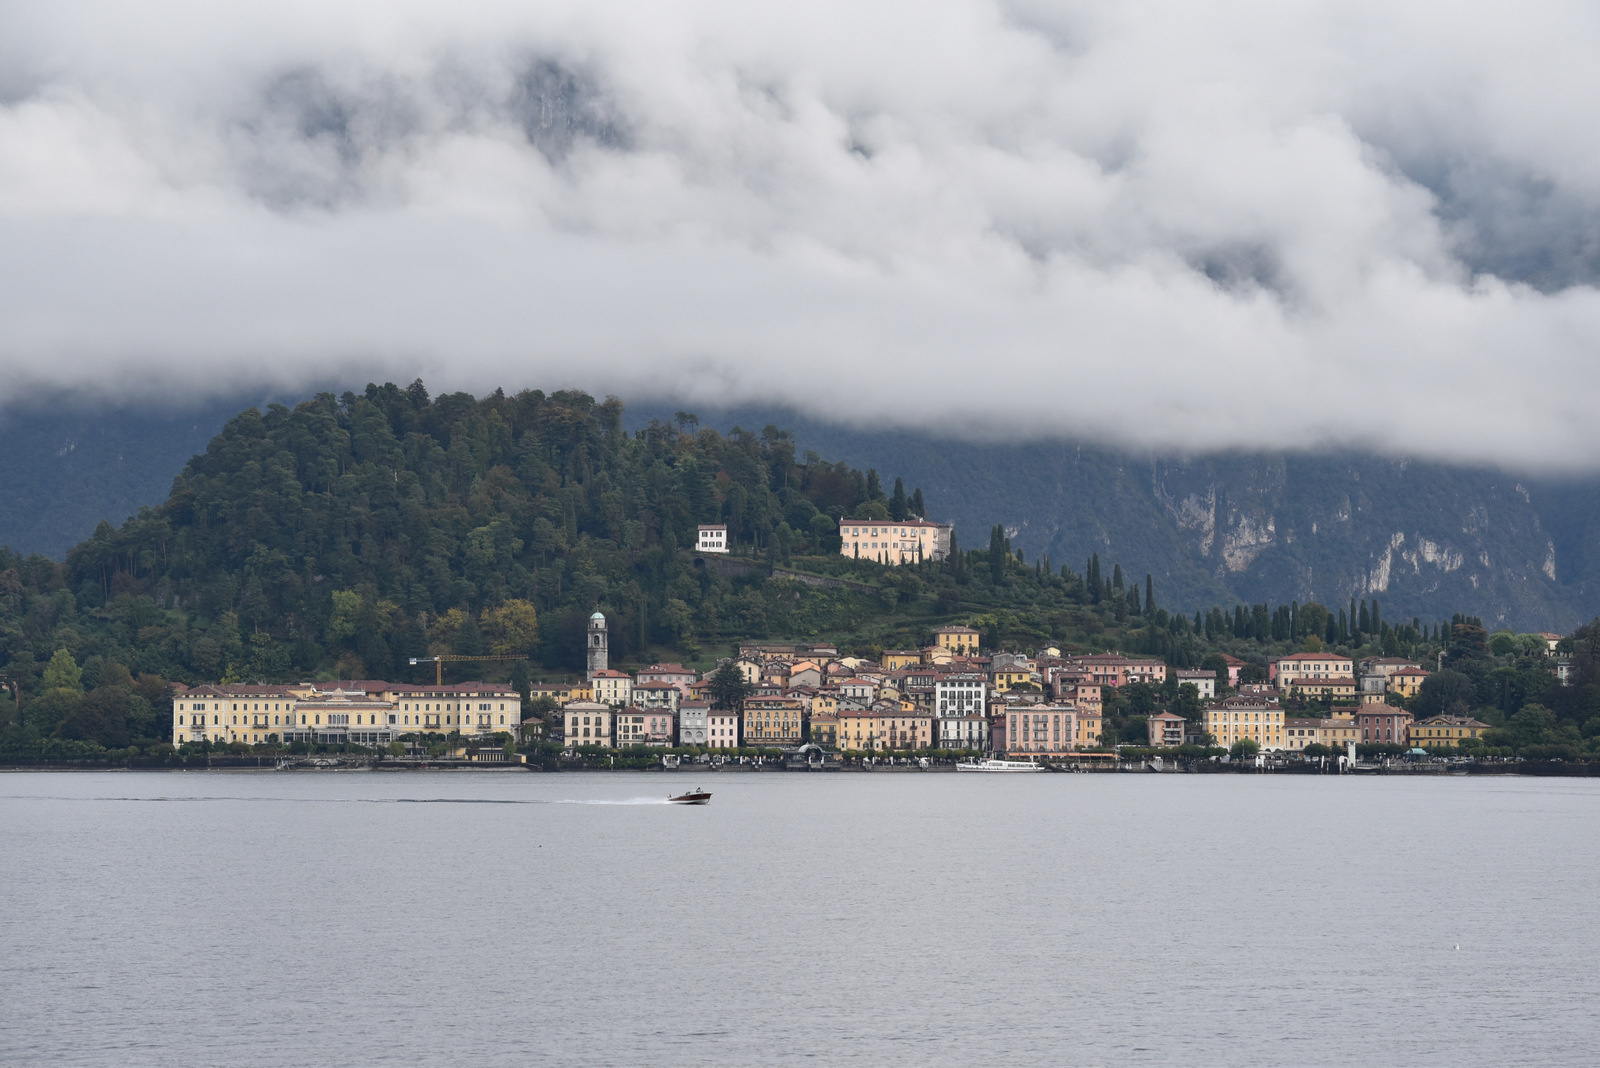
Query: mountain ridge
[1428, 538]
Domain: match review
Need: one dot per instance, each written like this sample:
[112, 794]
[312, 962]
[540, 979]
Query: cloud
[1165, 224]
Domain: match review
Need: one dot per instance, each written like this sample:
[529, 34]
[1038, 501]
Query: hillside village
[947, 697]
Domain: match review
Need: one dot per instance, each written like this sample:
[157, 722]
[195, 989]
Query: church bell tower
[597, 644]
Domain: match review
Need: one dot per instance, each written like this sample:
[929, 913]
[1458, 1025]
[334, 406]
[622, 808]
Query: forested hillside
[1428, 539]
[349, 534]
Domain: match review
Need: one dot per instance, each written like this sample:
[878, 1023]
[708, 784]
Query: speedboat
[999, 765]
[693, 797]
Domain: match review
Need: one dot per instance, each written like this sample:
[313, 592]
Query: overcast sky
[1270, 223]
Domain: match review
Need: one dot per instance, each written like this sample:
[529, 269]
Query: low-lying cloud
[1170, 224]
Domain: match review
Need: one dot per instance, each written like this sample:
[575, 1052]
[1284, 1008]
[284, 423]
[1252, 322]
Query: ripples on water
[501, 918]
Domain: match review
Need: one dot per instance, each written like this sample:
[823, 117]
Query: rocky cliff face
[1424, 538]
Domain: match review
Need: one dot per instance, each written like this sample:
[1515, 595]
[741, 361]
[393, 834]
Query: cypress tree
[874, 486]
[899, 507]
[1149, 594]
[1365, 624]
[918, 509]
[1116, 577]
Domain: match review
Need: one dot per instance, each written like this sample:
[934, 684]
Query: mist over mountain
[1428, 539]
[1173, 211]
[66, 463]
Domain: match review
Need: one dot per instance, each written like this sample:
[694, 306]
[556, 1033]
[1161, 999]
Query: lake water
[511, 919]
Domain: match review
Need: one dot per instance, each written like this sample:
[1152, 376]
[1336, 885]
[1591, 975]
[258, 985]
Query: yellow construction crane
[438, 662]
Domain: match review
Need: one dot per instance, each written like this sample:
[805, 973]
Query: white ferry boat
[999, 765]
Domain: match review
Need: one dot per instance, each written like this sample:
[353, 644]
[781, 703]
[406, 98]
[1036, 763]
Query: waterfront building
[824, 730]
[1437, 731]
[1164, 730]
[1253, 716]
[774, 721]
[588, 723]
[250, 714]
[359, 712]
[644, 726]
[472, 708]
[1086, 727]
[961, 732]
[1336, 732]
[692, 723]
[884, 727]
[1039, 730]
[1383, 723]
[722, 729]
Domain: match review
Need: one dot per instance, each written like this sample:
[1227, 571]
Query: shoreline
[1528, 769]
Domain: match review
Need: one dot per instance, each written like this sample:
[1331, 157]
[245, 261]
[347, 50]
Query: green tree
[512, 627]
[1244, 749]
[1444, 691]
[344, 617]
[101, 716]
[62, 673]
[728, 688]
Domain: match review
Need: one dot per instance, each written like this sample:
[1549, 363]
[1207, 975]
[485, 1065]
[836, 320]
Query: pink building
[722, 729]
[644, 726]
[672, 674]
[1112, 669]
[1383, 723]
[1038, 730]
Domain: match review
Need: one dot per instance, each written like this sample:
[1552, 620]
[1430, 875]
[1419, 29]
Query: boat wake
[369, 800]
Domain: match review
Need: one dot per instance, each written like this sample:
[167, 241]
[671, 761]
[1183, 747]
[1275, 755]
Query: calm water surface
[490, 918]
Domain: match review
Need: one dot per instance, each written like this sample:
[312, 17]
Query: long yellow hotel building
[1446, 731]
[359, 712]
[1234, 719]
[909, 541]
